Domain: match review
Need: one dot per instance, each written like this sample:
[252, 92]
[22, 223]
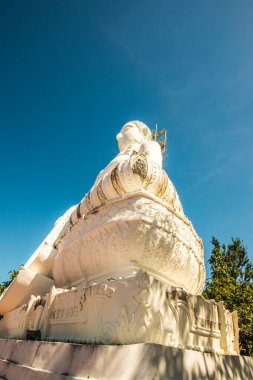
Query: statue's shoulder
[153, 150]
[150, 146]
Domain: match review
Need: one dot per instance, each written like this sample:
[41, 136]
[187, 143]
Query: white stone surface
[20, 290]
[30, 360]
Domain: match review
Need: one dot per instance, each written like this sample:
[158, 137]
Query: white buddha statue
[123, 266]
[135, 173]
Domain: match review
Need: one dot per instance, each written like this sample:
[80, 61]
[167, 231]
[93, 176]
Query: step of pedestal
[34, 360]
[14, 371]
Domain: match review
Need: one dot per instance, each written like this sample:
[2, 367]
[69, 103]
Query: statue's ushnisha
[125, 265]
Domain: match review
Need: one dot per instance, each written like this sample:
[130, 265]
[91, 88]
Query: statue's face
[129, 135]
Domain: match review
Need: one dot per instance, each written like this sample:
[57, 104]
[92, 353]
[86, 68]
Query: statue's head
[133, 132]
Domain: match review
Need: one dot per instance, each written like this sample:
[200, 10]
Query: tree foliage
[232, 282]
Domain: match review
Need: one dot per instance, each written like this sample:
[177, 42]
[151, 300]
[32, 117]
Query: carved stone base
[137, 309]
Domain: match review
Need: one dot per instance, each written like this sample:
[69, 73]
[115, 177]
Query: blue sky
[73, 72]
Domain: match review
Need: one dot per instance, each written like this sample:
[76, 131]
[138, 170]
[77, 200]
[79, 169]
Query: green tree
[232, 282]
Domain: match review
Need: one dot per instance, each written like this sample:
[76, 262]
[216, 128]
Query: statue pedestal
[136, 309]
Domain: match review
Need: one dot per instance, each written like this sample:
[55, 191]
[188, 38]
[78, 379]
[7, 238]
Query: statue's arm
[153, 151]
